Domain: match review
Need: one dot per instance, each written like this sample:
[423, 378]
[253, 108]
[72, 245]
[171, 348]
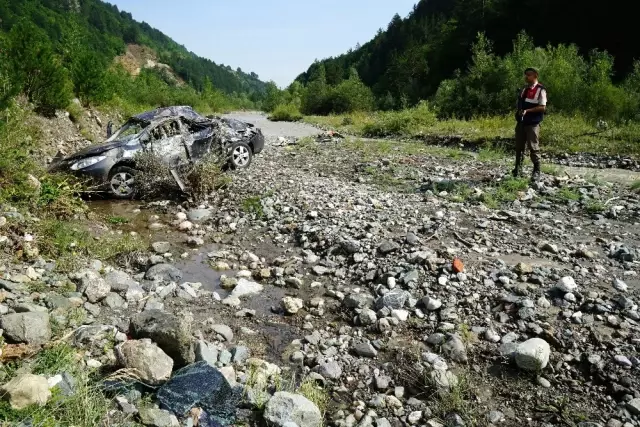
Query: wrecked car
[177, 135]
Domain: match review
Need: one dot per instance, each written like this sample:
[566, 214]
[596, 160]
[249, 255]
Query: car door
[167, 142]
[197, 139]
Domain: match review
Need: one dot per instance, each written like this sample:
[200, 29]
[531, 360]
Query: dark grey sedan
[177, 135]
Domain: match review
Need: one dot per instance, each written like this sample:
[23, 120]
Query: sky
[277, 39]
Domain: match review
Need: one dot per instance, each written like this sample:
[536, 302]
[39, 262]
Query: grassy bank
[559, 134]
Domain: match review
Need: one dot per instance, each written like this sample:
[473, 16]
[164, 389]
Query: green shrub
[285, 113]
[400, 123]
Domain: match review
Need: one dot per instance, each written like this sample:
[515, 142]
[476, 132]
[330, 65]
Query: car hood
[97, 149]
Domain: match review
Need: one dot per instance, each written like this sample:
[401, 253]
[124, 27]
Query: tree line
[466, 58]
[52, 50]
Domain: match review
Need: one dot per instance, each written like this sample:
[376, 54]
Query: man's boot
[535, 176]
[517, 170]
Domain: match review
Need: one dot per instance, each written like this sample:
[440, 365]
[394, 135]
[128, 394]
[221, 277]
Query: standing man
[532, 104]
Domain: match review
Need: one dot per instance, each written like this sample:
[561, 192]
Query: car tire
[240, 155]
[122, 182]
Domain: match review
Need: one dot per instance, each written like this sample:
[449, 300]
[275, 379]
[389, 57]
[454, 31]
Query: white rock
[431, 303]
[152, 364]
[567, 284]
[292, 305]
[533, 354]
[401, 315]
[26, 390]
[185, 226]
[246, 288]
[619, 285]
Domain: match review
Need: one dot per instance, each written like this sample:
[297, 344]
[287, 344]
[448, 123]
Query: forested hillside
[84, 37]
[408, 61]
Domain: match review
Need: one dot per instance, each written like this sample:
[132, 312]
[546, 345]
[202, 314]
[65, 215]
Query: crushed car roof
[176, 111]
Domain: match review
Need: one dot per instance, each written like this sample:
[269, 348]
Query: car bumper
[94, 177]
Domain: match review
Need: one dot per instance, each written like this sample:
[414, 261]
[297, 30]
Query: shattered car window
[131, 128]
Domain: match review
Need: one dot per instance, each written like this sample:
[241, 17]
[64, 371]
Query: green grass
[253, 206]
[552, 170]
[506, 191]
[568, 194]
[286, 113]
[117, 220]
[559, 134]
[595, 207]
[70, 243]
[318, 395]
[635, 186]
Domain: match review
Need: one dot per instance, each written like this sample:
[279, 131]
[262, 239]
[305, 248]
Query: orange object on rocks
[458, 266]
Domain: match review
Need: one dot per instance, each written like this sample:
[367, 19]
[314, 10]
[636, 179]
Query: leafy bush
[398, 123]
[285, 113]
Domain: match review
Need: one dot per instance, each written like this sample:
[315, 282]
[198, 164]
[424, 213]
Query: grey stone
[394, 299]
[223, 331]
[431, 303]
[331, 370]
[119, 281]
[240, 354]
[163, 272]
[494, 417]
[533, 354]
[31, 327]
[285, 408]
[224, 357]
[387, 247]
[622, 361]
[206, 352]
[455, 348]
[356, 301]
[157, 418]
[367, 317]
[246, 288]
[161, 247]
[633, 406]
[365, 349]
[170, 332]
[135, 293]
[150, 363]
[115, 301]
[95, 288]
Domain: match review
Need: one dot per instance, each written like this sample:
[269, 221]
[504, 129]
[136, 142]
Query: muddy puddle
[196, 266]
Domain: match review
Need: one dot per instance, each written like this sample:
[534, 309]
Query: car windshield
[131, 128]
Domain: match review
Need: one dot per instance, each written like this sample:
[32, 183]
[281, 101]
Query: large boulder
[31, 327]
[26, 390]
[200, 386]
[151, 364]
[170, 332]
[285, 408]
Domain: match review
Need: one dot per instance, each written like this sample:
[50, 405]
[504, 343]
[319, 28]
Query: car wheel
[122, 182]
[241, 155]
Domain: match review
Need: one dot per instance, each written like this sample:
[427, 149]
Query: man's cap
[531, 69]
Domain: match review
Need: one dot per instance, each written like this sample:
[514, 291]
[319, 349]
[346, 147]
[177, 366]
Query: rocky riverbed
[350, 283]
